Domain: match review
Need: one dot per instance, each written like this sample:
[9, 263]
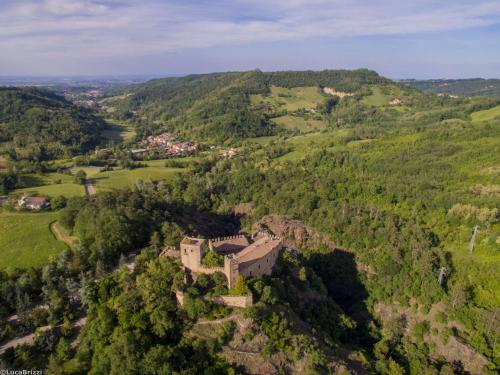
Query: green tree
[80, 177]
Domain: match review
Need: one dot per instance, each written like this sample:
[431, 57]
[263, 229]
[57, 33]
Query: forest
[37, 124]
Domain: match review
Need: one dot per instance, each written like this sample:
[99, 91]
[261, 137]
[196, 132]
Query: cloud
[73, 7]
[100, 29]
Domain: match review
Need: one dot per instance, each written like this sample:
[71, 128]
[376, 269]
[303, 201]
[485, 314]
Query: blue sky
[399, 39]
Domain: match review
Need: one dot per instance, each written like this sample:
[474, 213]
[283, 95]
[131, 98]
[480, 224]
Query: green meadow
[26, 239]
[290, 99]
[299, 123]
[50, 184]
[122, 178]
[486, 115]
[118, 132]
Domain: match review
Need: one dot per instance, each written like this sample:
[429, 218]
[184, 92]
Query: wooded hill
[217, 107]
[38, 124]
[465, 87]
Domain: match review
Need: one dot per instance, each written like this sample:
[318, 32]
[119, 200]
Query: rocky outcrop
[294, 233]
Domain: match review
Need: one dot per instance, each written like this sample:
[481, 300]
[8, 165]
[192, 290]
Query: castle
[241, 258]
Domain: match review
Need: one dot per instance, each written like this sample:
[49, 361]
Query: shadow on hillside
[204, 224]
[28, 181]
[341, 277]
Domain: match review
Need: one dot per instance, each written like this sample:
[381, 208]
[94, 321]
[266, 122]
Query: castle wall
[192, 251]
[231, 270]
[234, 301]
[208, 270]
[261, 266]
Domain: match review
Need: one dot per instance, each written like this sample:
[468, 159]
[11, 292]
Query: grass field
[26, 239]
[290, 99]
[68, 190]
[119, 132]
[122, 178]
[299, 123]
[185, 161]
[486, 115]
[378, 98]
[50, 184]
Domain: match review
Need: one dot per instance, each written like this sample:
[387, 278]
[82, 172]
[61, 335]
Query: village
[168, 143]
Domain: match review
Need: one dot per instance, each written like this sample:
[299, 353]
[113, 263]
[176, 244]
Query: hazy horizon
[168, 75]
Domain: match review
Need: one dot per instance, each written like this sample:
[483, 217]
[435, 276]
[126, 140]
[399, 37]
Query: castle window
[259, 266]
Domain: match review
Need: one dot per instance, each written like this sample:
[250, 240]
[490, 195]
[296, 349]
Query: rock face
[294, 233]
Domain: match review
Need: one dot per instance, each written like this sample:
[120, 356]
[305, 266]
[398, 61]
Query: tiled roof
[257, 250]
[36, 200]
[192, 241]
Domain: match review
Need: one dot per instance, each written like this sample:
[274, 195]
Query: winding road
[78, 324]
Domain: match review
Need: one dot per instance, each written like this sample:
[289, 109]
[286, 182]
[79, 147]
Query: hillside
[222, 106]
[463, 87]
[375, 187]
[37, 124]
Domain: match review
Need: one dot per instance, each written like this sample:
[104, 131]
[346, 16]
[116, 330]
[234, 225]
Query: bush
[421, 329]
[211, 259]
[441, 317]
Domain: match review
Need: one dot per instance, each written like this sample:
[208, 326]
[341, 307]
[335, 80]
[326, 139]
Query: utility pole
[442, 273]
[473, 239]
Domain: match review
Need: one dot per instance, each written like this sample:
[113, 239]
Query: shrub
[420, 329]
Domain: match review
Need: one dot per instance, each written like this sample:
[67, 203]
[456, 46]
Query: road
[30, 338]
[89, 187]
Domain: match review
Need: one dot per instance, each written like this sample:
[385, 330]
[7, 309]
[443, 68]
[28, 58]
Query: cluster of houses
[167, 142]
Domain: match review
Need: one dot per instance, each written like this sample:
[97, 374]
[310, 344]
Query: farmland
[26, 239]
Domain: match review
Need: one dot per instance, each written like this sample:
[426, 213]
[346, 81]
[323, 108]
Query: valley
[373, 186]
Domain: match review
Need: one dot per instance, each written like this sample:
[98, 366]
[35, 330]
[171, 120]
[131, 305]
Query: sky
[399, 39]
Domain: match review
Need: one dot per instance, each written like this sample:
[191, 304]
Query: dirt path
[59, 234]
[30, 339]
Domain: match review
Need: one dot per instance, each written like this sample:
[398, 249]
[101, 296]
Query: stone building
[240, 256]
